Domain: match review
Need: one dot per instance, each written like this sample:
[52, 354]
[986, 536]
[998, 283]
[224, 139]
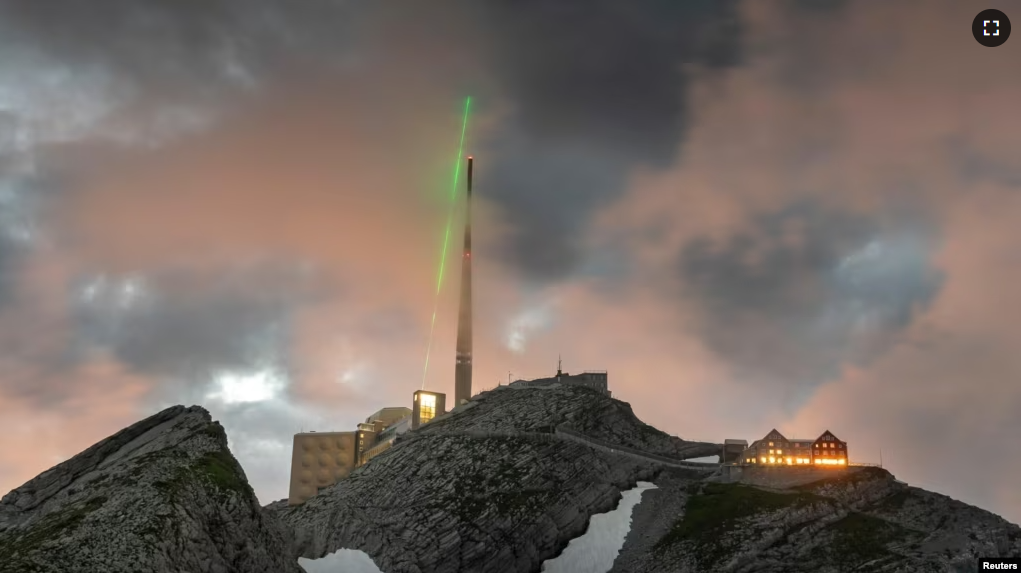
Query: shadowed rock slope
[164, 495]
[855, 521]
[459, 504]
[484, 489]
[508, 408]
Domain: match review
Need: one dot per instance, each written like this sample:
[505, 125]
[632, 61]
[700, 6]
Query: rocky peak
[499, 485]
[531, 409]
[162, 495]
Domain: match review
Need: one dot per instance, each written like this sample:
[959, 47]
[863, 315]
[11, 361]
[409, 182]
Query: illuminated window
[762, 460]
[772, 460]
[771, 451]
[427, 408]
[770, 444]
[779, 452]
[789, 461]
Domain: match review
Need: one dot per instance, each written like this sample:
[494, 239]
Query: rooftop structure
[389, 415]
[593, 379]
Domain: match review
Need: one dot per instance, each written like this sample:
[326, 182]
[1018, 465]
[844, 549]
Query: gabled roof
[828, 433]
[775, 435]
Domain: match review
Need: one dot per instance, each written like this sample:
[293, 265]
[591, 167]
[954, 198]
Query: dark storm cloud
[549, 199]
[17, 226]
[8, 267]
[188, 333]
[598, 88]
[806, 290]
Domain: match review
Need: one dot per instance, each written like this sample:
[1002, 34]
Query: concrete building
[318, 460]
[389, 415]
[775, 449]
[321, 459]
[384, 440]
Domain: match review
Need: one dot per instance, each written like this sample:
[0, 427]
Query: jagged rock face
[592, 413]
[456, 503]
[451, 497]
[858, 521]
[164, 495]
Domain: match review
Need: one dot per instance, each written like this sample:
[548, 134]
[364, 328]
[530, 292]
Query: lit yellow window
[762, 460]
[427, 408]
[772, 459]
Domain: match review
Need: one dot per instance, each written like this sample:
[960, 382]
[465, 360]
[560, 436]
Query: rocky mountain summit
[488, 487]
[499, 485]
[164, 495]
[509, 408]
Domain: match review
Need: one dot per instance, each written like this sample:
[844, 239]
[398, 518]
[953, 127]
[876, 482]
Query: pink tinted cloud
[303, 179]
[896, 126]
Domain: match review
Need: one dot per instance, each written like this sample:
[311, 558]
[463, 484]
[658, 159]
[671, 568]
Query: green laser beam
[447, 235]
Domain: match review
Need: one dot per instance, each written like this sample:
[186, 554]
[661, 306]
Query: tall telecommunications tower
[463, 356]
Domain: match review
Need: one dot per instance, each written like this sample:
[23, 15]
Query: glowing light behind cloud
[241, 388]
[522, 327]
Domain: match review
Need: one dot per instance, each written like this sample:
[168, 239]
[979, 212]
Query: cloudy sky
[753, 214]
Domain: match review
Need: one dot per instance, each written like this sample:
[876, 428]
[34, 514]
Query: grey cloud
[9, 256]
[604, 81]
[547, 192]
[167, 45]
[17, 224]
[806, 290]
[974, 165]
[188, 333]
[139, 72]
